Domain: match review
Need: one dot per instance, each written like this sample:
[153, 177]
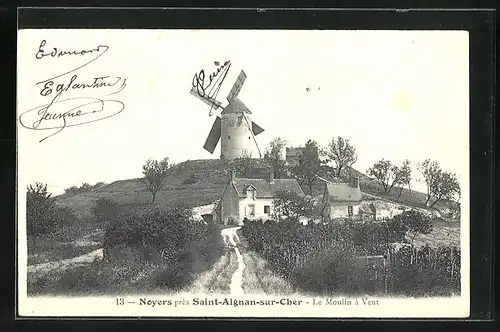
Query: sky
[393, 94]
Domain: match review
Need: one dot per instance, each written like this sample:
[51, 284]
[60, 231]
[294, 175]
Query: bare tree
[155, 172]
[404, 177]
[446, 188]
[273, 155]
[342, 153]
[440, 184]
[431, 171]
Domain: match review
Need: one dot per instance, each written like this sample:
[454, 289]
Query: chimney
[271, 176]
[356, 182]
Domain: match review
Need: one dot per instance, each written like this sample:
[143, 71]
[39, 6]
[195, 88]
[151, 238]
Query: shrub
[332, 258]
[191, 179]
[105, 209]
[43, 215]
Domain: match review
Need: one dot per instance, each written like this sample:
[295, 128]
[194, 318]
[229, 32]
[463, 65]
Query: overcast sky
[394, 94]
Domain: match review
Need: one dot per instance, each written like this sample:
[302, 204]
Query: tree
[440, 184]
[43, 215]
[341, 152]
[404, 177]
[309, 164]
[155, 172]
[431, 171]
[446, 188]
[389, 175]
[414, 222]
[288, 204]
[273, 155]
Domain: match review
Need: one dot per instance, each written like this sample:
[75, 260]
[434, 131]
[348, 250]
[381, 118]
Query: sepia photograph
[244, 173]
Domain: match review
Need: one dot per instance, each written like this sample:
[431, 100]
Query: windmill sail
[213, 136]
[253, 135]
[209, 101]
[235, 90]
[256, 129]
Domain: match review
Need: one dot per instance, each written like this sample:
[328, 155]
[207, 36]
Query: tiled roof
[265, 189]
[342, 192]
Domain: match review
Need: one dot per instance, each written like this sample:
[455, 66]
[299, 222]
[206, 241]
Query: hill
[201, 182]
[195, 182]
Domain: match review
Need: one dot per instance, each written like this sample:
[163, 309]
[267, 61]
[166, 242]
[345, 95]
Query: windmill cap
[236, 106]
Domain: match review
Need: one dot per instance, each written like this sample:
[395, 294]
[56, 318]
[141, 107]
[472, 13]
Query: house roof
[343, 192]
[265, 189]
[236, 106]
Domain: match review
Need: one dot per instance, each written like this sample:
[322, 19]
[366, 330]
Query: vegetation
[43, 215]
[85, 187]
[309, 165]
[153, 249]
[287, 204]
[274, 156]
[389, 175]
[331, 259]
[342, 153]
[440, 184]
[155, 173]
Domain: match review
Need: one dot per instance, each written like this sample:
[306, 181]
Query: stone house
[252, 198]
[343, 201]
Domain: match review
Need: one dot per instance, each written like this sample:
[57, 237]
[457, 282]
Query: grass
[217, 280]
[69, 242]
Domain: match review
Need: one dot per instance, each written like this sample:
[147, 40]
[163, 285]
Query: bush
[167, 237]
[105, 209]
[191, 179]
[332, 259]
[43, 215]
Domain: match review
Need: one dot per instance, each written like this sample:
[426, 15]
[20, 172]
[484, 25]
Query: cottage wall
[341, 210]
[259, 204]
[229, 205]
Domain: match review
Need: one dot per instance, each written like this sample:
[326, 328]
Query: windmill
[234, 127]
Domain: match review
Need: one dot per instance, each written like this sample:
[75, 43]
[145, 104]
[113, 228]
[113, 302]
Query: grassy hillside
[195, 182]
[201, 182]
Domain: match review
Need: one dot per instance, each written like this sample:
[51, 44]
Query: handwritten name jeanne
[59, 113]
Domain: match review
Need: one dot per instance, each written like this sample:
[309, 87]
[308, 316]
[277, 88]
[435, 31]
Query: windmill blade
[235, 90]
[209, 101]
[213, 136]
[256, 129]
[251, 131]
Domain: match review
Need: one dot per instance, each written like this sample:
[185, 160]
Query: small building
[252, 198]
[342, 201]
[293, 156]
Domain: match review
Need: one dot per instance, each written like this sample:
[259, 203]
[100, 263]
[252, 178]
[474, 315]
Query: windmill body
[234, 127]
[236, 131]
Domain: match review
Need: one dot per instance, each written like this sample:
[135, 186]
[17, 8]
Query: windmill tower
[234, 127]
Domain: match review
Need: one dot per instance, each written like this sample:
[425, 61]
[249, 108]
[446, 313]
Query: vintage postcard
[243, 173]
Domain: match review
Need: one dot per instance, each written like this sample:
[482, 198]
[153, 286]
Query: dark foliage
[43, 215]
[335, 258]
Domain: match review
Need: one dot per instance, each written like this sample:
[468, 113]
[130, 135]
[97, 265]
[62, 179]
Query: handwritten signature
[213, 85]
[59, 113]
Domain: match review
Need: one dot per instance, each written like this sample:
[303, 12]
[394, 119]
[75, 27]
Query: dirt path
[240, 271]
[65, 263]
